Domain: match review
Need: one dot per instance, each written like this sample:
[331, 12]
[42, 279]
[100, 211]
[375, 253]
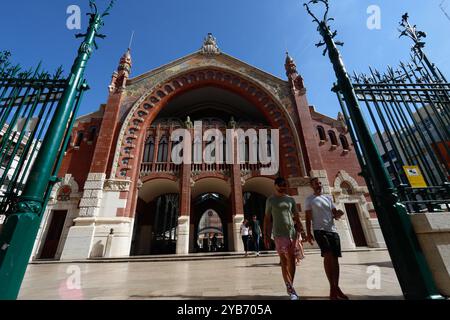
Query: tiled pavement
[212, 278]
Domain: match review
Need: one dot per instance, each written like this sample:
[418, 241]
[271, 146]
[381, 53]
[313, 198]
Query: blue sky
[255, 31]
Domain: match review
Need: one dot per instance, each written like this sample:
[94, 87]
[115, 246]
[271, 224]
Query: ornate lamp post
[20, 231]
[409, 262]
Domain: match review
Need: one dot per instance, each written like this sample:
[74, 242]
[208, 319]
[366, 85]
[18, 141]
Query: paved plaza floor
[256, 278]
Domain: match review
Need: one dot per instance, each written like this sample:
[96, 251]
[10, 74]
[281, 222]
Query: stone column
[183, 235]
[183, 228]
[91, 201]
[237, 207]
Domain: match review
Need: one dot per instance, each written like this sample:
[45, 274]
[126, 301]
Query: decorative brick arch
[255, 174]
[68, 180]
[343, 176]
[206, 175]
[159, 175]
[127, 157]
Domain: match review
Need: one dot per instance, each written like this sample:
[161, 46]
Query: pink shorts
[286, 245]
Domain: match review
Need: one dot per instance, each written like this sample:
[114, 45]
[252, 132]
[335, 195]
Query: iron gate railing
[35, 108]
[408, 109]
[28, 100]
[408, 259]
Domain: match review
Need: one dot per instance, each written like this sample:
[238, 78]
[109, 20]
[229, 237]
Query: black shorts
[328, 241]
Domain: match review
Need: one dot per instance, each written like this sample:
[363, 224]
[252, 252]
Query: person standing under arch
[244, 234]
[256, 233]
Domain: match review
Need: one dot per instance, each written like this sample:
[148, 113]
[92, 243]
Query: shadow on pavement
[258, 297]
[384, 264]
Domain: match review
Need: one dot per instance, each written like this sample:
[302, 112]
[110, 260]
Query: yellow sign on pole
[415, 177]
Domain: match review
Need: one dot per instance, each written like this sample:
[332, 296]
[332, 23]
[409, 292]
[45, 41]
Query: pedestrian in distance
[245, 234]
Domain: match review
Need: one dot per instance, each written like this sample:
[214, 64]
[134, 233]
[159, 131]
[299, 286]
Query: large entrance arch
[148, 107]
[156, 218]
[144, 146]
[127, 162]
[256, 190]
[210, 193]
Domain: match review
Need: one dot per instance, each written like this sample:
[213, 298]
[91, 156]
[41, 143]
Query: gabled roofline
[324, 117]
[150, 73]
[92, 114]
[314, 112]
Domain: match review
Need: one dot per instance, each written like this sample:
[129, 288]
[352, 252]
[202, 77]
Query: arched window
[197, 147]
[346, 188]
[246, 149]
[268, 152]
[174, 145]
[64, 193]
[333, 138]
[224, 154]
[163, 150]
[79, 140]
[344, 142]
[92, 134]
[149, 150]
[251, 149]
[322, 135]
[208, 144]
[269, 147]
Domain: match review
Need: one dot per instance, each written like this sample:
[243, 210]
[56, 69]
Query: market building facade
[121, 194]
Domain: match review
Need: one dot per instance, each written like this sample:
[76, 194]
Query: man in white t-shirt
[320, 214]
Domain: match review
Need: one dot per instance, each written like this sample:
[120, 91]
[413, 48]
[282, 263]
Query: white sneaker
[257, 254]
[293, 296]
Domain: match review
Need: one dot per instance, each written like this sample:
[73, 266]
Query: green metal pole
[21, 227]
[407, 257]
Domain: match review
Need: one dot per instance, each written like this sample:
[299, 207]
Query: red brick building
[123, 195]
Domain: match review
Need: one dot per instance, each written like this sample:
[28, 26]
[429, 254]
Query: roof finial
[131, 40]
[288, 57]
[292, 73]
[285, 45]
[290, 64]
[210, 46]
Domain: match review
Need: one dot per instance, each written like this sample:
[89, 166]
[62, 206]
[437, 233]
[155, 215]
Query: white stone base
[183, 235]
[79, 242]
[374, 236]
[345, 234]
[433, 233]
[238, 245]
[89, 238]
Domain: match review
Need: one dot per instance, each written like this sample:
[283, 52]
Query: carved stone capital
[117, 185]
[298, 182]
